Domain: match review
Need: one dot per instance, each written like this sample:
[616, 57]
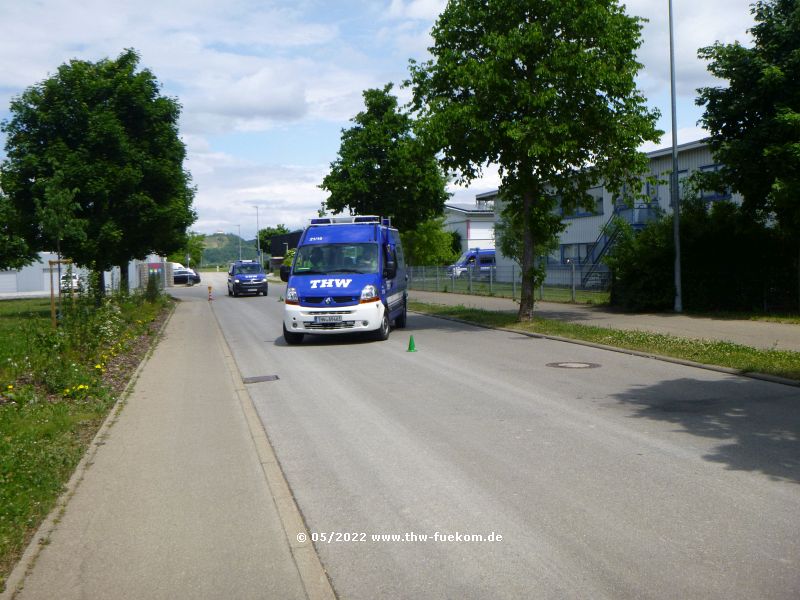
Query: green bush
[153, 290]
[642, 267]
[429, 244]
[730, 260]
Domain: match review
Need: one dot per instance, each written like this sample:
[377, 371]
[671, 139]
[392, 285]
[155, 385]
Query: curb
[669, 359]
[313, 576]
[16, 579]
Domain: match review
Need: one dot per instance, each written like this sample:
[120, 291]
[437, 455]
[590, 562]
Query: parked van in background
[348, 275]
[247, 277]
[479, 262]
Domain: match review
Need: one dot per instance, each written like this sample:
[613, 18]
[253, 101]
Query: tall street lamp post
[674, 197]
[258, 241]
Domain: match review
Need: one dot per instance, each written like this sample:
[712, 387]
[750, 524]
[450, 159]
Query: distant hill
[223, 248]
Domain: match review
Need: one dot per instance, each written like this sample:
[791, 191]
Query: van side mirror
[391, 268]
[390, 262]
[285, 270]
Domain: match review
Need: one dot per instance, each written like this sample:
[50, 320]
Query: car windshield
[336, 258]
[247, 269]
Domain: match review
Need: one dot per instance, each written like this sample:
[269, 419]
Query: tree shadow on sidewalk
[757, 423]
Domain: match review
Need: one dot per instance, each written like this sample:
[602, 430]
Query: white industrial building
[36, 278]
[585, 240]
[473, 222]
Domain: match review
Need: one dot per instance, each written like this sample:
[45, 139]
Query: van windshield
[336, 258]
[464, 259]
[248, 269]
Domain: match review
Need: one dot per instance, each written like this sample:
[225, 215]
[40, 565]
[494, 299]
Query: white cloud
[426, 10]
[229, 190]
[695, 25]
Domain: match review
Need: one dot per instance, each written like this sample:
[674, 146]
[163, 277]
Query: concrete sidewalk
[176, 502]
[756, 334]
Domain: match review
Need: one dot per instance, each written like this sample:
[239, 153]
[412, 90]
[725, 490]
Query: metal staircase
[593, 272]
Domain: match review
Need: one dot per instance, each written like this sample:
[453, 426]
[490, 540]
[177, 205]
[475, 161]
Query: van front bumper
[250, 287]
[340, 319]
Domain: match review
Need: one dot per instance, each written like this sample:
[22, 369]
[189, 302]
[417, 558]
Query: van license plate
[328, 319]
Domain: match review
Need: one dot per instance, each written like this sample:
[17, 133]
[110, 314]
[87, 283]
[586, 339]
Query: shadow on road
[757, 423]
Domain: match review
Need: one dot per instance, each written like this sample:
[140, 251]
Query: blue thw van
[475, 261]
[348, 275]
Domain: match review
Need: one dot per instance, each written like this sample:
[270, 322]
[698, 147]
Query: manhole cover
[260, 378]
[573, 365]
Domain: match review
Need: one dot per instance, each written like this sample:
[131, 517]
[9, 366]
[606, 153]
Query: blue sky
[267, 85]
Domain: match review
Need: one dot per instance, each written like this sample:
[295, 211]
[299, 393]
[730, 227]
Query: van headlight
[291, 296]
[369, 294]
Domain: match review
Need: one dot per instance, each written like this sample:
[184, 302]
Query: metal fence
[563, 283]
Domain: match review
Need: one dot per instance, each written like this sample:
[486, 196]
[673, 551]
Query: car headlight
[291, 296]
[369, 294]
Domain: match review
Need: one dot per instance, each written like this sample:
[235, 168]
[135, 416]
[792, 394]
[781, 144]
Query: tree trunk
[527, 299]
[124, 284]
[100, 292]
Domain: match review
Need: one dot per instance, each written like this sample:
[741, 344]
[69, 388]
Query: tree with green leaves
[510, 233]
[382, 169]
[429, 244]
[94, 164]
[545, 89]
[266, 234]
[14, 250]
[195, 244]
[754, 121]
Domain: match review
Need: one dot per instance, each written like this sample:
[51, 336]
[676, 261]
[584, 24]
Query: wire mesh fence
[563, 283]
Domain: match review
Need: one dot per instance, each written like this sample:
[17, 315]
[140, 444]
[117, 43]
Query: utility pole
[240, 241]
[258, 241]
[674, 196]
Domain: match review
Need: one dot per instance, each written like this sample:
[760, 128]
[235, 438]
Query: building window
[652, 191]
[683, 180]
[581, 211]
[575, 252]
[598, 202]
[714, 195]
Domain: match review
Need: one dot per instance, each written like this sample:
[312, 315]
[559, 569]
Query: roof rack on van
[350, 220]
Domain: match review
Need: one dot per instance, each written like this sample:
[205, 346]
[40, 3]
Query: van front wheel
[382, 333]
[292, 338]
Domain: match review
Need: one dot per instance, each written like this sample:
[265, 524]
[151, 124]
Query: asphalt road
[633, 479]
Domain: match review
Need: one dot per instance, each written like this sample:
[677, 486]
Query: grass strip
[506, 290]
[780, 363]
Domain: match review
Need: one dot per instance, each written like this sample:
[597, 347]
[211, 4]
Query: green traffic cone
[411, 346]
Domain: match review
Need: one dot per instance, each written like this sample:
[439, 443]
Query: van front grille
[326, 326]
[335, 299]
